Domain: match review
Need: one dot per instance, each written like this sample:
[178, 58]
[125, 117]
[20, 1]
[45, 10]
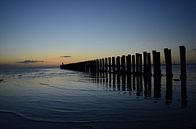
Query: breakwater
[137, 64]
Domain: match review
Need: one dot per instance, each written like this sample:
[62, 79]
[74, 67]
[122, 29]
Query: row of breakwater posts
[131, 64]
[134, 73]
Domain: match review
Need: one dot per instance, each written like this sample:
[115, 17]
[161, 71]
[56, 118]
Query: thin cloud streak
[65, 56]
[29, 62]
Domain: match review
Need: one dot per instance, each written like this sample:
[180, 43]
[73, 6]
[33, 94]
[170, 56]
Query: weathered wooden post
[123, 64]
[103, 65]
[140, 63]
[109, 64]
[149, 64]
[113, 64]
[156, 63]
[183, 61]
[168, 62]
[145, 63]
[128, 60]
[137, 63]
[118, 63]
[133, 64]
[100, 65]
[93, 66]
[106, 65]
[97, 65]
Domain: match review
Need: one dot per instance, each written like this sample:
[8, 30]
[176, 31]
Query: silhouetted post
[183, 61]
[145, 63]
[106, 65]
[123, 64]
[113, 64]
[97, 65]
[159, 63]
[103, 65]
[137, 63]
[109, 64]
[168, 62]
[128, 60]
[154, 60]
[100, 66]
[94, 66]
[118, 63]
[149, 64]
[89, 66]
[133, 64]
[140, 63]
[156, 63]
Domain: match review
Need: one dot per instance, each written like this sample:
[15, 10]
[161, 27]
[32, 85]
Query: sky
[48, 32]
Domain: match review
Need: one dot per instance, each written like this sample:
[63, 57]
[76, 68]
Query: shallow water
[54, 98]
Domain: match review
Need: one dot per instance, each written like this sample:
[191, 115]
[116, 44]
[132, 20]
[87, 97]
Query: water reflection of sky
[58, 98]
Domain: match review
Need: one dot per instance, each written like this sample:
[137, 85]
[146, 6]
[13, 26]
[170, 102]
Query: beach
[53, 98]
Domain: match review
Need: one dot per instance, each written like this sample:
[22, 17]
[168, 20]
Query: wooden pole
[145, 63]
[128, 60]
[103, 65]
[100, 65]
[109, 64]
[123, 64]
[106, 65]
[97, 65]
[156, 63]
[118, 63]
[149, 64]
[140, 63]
[168, 62]
[137, 63]
[113, 64]
[183, 61]
[133, 64]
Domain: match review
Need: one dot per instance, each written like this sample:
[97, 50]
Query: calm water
[40, 98]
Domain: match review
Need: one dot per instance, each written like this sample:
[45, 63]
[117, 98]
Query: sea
[51, 98]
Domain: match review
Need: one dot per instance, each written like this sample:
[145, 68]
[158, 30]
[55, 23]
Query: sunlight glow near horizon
[89, 29]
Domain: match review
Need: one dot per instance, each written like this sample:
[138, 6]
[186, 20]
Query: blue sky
[83, 29]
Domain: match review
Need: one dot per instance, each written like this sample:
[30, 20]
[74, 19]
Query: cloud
[194, 49]
[29, 62]
[65, 56]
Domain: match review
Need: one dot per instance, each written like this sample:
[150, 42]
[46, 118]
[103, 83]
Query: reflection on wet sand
[168, 90]
[184, 101]
[141, 85]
